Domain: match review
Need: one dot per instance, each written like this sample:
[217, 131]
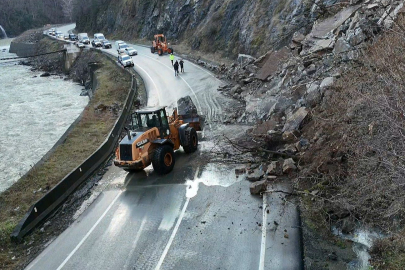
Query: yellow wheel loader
[153, 137]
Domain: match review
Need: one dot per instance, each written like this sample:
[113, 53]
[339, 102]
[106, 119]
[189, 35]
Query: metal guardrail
[58, 194]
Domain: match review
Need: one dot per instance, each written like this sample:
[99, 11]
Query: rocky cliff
[231, 26]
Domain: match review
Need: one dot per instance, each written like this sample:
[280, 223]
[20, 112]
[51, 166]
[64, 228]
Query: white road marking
[157, 89]
[89, 232]
[162, 258]
[138, 235]
[264, 232]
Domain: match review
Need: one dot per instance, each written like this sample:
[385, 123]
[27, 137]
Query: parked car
[118, 42]
[125, 60]
[59, 35]
[80, 45]
[106, 44]
[99, 37]
[83, 38]
[66, 37]
[96, 43]
[72, 37]
[131, 51]
[121, 47]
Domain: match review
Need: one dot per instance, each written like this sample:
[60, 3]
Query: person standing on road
[182, 65]
[176, 68]
[172, 58]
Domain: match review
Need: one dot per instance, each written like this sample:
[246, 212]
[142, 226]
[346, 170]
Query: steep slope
[231, 26]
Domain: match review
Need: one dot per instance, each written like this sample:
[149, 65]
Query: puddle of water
[213, 175]
[363, 240]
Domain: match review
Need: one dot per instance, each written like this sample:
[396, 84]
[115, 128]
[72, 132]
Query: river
[34, 113]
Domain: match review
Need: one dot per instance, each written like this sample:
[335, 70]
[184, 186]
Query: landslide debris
[327, 111]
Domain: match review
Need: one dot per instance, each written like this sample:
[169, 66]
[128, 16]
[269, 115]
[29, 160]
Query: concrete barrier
[58, 194]
[22, 49]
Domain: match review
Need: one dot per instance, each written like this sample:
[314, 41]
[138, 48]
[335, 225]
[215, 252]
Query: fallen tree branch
[245, 149]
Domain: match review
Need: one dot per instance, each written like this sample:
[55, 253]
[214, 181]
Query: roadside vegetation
[356, 170]
[96, 121]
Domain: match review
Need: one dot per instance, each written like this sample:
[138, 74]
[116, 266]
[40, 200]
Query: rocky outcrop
[226, 27]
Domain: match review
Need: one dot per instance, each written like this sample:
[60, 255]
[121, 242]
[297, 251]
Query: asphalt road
[200, 216]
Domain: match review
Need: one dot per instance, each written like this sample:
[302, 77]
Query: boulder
[186, 106]
[240, 171]
[302, 144]
[290, 136]
[318, 45]
[289, 166]
[355, 37]
[274, 136]
[289, 149]
[281, 105]
[298, 37]
[311, 69]
[237, 89]
[341, 46]
[46, 74]
[295, 121]
[271, 63]
[257, 187]
[312, 95]
[348, 226]
[328, 81]
[255, 176]
[274, 168]
[247, 80]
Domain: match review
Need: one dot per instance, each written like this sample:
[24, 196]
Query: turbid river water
[34, 113]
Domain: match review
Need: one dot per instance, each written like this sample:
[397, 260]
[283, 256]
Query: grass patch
[90, 132]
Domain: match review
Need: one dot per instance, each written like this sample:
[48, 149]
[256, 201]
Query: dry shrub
[359, 167]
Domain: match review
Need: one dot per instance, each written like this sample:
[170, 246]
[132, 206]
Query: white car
[125, 60]
[80, 45]
[118, 42]
[121, 47]
[59, 35]
[98, 36]
[131, 51]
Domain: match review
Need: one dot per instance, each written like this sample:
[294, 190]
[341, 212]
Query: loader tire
[163, 159]
[160, 52]
[152, 49]
[192, 140]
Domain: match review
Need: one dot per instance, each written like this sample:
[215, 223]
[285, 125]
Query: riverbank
[111, 85]
[31, 116]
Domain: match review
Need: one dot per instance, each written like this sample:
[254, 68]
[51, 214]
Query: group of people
[176, 65]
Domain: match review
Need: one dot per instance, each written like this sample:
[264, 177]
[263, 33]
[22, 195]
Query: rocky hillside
[230, 27]
[333, 101]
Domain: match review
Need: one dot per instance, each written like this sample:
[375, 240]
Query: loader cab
[145, 119]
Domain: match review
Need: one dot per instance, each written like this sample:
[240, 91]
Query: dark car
[106, 44]
[95, 43]
[72, 37]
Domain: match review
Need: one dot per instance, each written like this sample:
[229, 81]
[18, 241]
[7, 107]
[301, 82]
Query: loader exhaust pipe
[128, 133]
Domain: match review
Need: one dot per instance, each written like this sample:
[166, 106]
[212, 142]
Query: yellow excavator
[153, 137]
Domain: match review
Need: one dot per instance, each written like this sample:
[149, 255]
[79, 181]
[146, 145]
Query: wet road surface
[200, 216]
